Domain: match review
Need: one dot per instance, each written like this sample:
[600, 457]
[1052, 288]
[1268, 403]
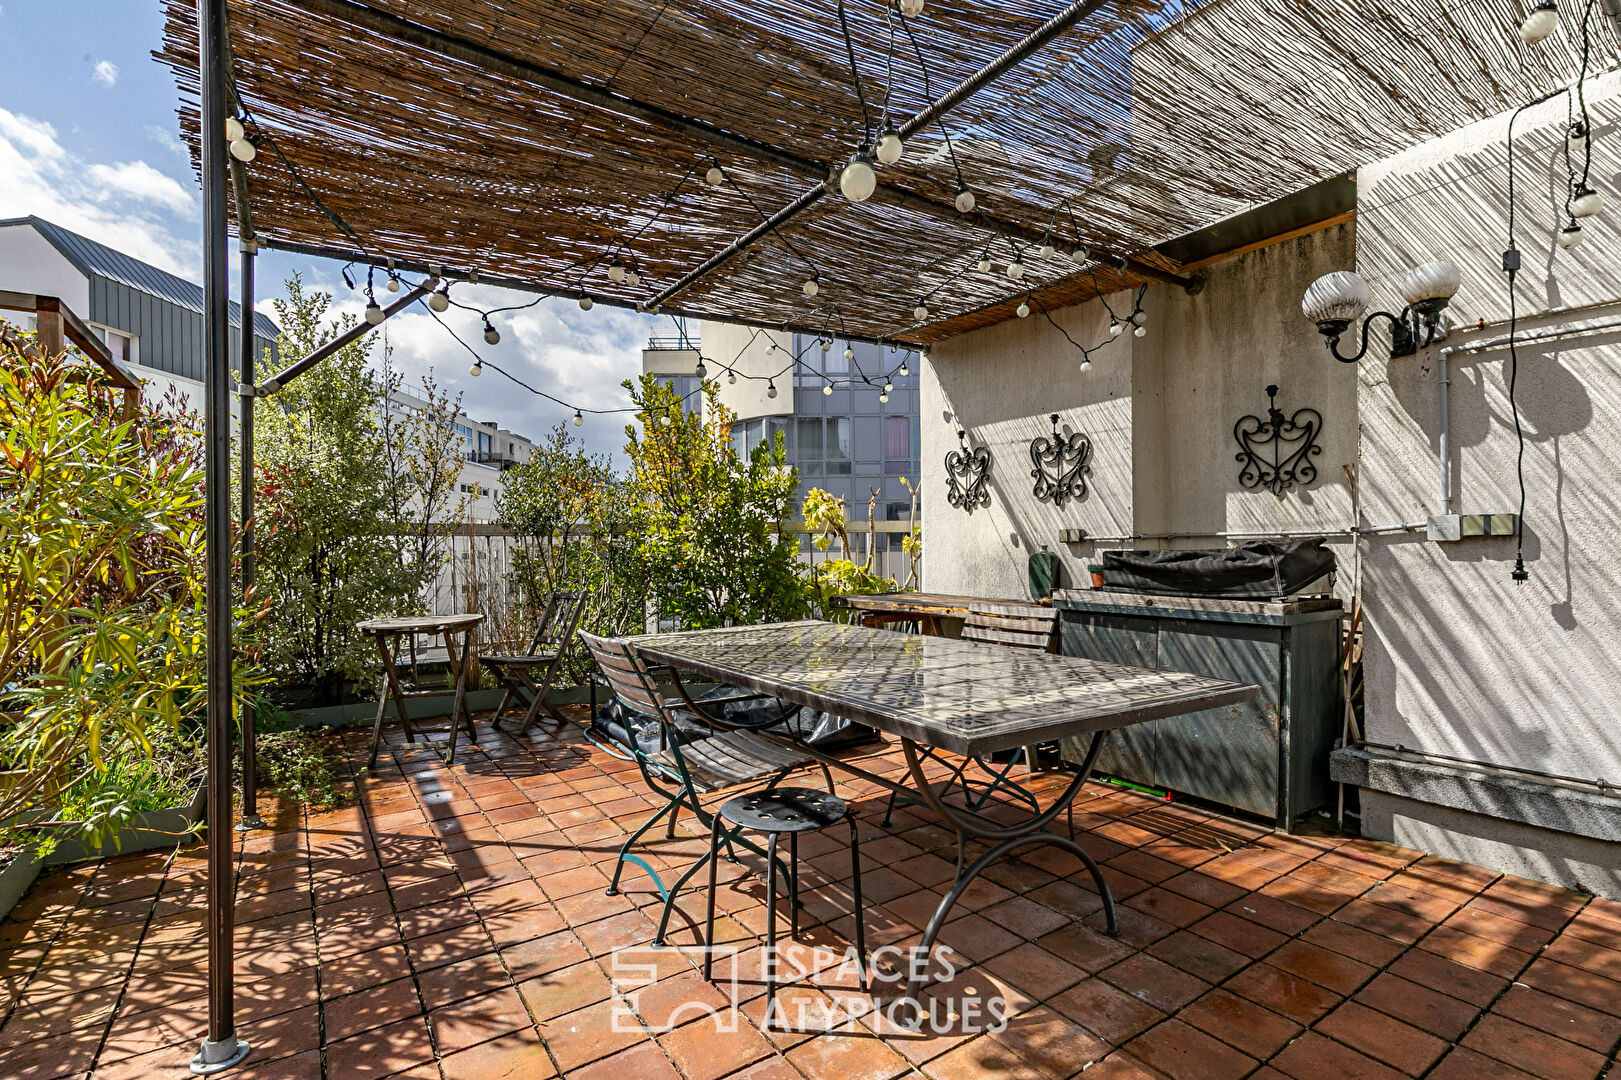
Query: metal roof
[93, 258]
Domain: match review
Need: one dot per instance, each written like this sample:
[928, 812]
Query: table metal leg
[1004, 840]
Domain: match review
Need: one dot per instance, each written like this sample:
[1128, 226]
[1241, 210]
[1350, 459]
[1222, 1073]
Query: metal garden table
[388, 633]
[963, 697]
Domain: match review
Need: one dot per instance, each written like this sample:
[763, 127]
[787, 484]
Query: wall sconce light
[1336, 300]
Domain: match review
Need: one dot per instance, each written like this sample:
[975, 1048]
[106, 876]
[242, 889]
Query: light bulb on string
[1141, 331]
[1586, 203]
[1114, 327]
[849, 353]
[633, 279]
[616, 273]
[771, 349]
[827, 345]
[827, 390]
[1571, 236]
[811, 287]
[585, 303]
[492, 336]
[964, 201]
[1023, 310]
[701, 371]
[243, 149]
[714, 176]
[234, 129]
[1086, 364]
[477, 369]
[890, 146]
[579, 418]
[731, 377]
[888, 386]
[1047, 250]
[770, 389]
[910, 8]
[440, 300]
[883, 399]
[1015, 270]
[374, 314]
[1543, 20]
[664, 418]
[920, 312]
[392, 284]
[857, 180]
[983, 266]
[904, 370]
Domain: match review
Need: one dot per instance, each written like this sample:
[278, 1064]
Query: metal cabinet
[1267, 757]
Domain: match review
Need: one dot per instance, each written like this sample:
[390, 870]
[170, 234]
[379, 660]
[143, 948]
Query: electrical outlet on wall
[1445, 528]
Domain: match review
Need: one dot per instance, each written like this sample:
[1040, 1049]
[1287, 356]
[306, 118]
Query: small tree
[422, 456]
[325, 506]
[712, 543]
[576, 524]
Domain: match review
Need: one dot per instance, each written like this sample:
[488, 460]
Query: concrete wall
[1460, 659]
[744, 350]
[1160, 411]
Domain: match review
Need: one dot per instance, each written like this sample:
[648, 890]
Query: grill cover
[1256, 570]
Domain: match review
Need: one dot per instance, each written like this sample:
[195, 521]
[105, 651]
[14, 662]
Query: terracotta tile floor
[454, 925]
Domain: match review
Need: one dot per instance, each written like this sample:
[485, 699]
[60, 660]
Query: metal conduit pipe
[1276, 534]
[1443, 376]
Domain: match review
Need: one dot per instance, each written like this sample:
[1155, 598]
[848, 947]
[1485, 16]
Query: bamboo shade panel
[1153, 119]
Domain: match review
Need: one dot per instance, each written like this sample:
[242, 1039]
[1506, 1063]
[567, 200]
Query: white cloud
[129, 206]
[580, 357]
[138, 181]
[168, 140]
[105, 73]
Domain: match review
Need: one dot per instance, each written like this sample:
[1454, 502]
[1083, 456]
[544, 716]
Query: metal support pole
[221, 1049]
[250, 736]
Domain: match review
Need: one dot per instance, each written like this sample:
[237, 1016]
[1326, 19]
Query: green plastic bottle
[1044, 573]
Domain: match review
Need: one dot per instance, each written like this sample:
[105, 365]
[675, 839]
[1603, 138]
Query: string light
[1047, 249]
[965, 200]
[616, 273]
[984, 265]
[883, 399]
[1586, 202]
[731, 377]
[374, 313]
[1086, 364]
[440, 300]
[858, 180]
[1570, 236]
[888, 386]
[243, 149]
[811, 287]
[827, 346]
[579, 418]
[392, 284]
[849, 353]
[890, 146]
[1114, 327]
[904, 370]
[920, 312]
[827, 390]
[700, 371]
[1023, 310]
[492, 336]
[234, 129]
[1015, 270]
[633, 279]
[664, 418]
[477, 369]
[770, 389]
[714, 176]
[585, 303]
[1543, 20]
[910, 8]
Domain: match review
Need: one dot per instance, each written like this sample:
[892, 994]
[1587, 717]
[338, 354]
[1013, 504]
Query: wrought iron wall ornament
[1061, 465]
[1276, 452]
[967, 469]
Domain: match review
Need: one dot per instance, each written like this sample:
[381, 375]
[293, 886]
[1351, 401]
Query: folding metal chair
[545, 656]
[681, 773]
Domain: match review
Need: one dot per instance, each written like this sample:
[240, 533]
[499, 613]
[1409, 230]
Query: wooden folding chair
[517, 674]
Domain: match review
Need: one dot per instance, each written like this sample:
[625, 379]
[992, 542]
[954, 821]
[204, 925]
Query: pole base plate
[213, 1057]
[250, 822]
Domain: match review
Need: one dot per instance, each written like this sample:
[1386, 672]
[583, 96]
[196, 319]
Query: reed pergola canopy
[539, 143]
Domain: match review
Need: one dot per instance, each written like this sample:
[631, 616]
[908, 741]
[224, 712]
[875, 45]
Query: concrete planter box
[150, 831]
[15, 880]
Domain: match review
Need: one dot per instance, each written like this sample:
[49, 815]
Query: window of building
[122, 346]
[897, 443]
[837, 449]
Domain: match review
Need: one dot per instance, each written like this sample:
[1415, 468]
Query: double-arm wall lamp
[1336, 300]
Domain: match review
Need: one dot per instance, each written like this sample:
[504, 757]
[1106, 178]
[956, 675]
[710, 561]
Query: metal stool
[775, 811]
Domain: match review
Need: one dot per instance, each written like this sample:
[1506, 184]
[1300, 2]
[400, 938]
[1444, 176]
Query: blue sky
[88, 140]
